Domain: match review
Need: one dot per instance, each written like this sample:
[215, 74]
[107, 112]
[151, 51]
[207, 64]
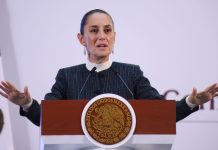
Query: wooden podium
[61, 125]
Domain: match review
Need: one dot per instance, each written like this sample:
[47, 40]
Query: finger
[4, 95]
[194, 92]
[215, 95]
[4, 89]
[10, 85]
[211, 87]
[216, 89]
[26, 91]
[5, 84]
[192, 96]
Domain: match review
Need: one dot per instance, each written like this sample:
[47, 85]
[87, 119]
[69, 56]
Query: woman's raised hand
[12, 94]
[204, 96]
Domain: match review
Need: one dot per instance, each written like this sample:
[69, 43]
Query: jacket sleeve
[144, 90]
[57, 92]
[33, 113]
[183, 110]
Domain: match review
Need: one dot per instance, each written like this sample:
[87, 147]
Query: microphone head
[93, 69]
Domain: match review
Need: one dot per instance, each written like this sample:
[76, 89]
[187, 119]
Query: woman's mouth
[102, 45]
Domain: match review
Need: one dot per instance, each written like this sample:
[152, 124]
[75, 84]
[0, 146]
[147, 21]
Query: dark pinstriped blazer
[126, 80]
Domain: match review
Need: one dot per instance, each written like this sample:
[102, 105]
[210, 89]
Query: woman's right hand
[12, 94]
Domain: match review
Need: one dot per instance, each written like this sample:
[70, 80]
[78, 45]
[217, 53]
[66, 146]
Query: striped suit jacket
[126, 80]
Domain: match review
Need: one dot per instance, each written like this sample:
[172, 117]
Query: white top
[100, 67]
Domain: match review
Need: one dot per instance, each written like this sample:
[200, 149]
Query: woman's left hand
[206, 95]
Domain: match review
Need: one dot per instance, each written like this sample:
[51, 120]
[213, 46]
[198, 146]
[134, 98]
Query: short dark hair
[89, 13]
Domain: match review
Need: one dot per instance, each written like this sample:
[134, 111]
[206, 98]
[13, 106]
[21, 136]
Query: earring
[84, 51]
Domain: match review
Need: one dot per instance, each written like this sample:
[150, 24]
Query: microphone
[91, 72]
[116, 73]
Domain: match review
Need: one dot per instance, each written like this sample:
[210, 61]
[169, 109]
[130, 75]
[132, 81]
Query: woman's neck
[99, 60]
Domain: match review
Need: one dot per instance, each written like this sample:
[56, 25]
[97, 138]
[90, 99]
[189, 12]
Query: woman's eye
[94, 30]
[107, 30]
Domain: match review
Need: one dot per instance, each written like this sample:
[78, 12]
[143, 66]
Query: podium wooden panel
[61, 119]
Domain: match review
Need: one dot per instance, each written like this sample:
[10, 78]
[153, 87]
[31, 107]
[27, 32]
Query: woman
[99, 75]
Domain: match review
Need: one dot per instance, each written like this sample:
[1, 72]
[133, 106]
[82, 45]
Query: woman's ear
[81, 39]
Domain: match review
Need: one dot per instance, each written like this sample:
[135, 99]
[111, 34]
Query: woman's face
[98, 37]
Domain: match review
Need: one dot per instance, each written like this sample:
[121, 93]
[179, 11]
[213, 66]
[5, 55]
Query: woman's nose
[101, 35]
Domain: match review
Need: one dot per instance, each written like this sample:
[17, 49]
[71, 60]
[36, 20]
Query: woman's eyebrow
[107, 26]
